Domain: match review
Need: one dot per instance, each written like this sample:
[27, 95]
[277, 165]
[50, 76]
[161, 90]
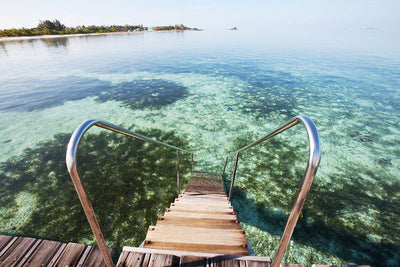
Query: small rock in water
[383, 161]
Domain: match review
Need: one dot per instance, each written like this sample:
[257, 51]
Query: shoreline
[51, 36]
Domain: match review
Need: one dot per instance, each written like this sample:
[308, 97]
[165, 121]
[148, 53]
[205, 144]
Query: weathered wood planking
[195, 222]
[133, 257]
[4, 239]
[201, 235]
[291, 265]
[200, 215]
[16, 251]
[26, 251]
[200, 220]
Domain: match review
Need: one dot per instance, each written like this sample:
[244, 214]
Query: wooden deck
[142, 257]
[26, 251]
[200, 220]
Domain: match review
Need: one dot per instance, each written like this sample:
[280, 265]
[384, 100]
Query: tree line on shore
[55, 27]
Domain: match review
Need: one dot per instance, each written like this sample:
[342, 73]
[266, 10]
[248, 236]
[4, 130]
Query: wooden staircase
[200, 220]
[199, 229]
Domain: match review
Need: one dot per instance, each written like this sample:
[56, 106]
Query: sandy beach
[19, 38]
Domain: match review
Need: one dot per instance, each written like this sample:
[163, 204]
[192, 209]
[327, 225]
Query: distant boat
[233, 29]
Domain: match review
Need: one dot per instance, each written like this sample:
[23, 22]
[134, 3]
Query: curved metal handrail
[313, 162]
[73, 171]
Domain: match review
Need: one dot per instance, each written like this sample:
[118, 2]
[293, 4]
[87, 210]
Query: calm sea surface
[212, 93]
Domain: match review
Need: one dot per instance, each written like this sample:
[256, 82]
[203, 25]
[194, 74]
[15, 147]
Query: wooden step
[204, 197]
[194, 222]
[196, 201]
[201, 208]
[197, 239]
[205, 203]
[200, 220]
[203, 194]
[192, 200]
[200, 215]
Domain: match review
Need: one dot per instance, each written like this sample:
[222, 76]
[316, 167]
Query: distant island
[55, 27]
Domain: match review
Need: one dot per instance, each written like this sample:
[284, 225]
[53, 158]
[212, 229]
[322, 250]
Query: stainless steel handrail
[73, 171]
[313, 162]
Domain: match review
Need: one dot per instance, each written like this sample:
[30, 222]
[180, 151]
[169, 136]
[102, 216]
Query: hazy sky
[207, 14]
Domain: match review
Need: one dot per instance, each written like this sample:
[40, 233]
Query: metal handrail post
[223, 175]
[226, 163]
[84, 199]
[71, 162]
[178, 172]
[233, 175]
[192, 162]
[313, 162]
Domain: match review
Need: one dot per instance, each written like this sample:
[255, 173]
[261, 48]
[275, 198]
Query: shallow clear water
[218, 91]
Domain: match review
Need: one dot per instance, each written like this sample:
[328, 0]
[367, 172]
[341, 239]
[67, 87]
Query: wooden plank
[227, 212]
[43, 253]
[254, 263]
[146, 260]
[180, 253]
[196, 247]
[197, 239]
[203, 202]
[25, 251]
[123, 258]
[157, 260]
[197, 235]
[95, 258]
[201, 208]
[204, 193]
[201, 205]
[206, 198]
[56, 255]
[203, 223]
[200, 215]
[17, 251]
[4, 239]
[71, 254]
[84, 256]
[192, 261]
[210, 196]
[196, 201]
[134, 260]
[8, 245]
[221, 262]
[29, 254]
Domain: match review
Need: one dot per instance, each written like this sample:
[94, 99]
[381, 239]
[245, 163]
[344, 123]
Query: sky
[206, 14]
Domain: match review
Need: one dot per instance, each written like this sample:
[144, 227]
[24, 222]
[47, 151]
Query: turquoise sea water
[210, 92]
